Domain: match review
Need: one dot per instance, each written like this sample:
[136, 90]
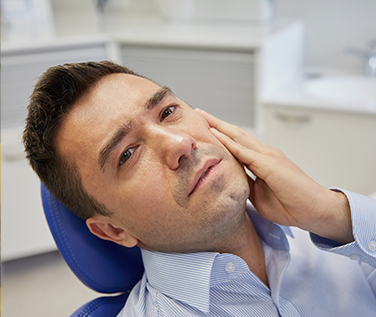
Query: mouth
[204, 175]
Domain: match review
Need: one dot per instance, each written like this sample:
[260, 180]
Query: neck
[247, 245]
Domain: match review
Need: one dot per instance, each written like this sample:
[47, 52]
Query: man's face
[152, 161]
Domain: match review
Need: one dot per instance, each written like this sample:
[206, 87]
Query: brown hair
[54, 95]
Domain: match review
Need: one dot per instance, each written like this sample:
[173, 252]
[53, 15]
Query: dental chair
[103, 266]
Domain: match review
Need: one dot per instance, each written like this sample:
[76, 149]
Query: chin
[230, 207]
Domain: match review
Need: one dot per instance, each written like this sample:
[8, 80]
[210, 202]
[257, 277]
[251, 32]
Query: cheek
[200, 130]
[150, 189]
[141, 206]
[204, 135]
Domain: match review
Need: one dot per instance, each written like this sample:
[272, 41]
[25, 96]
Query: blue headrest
[104, 266]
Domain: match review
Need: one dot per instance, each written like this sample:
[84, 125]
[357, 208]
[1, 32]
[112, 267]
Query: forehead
[99, 110]
[114, 89]
[112, 95]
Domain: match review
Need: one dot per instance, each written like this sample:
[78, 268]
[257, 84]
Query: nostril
[177, 146]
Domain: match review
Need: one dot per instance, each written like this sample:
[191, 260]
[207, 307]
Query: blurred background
[298, 74]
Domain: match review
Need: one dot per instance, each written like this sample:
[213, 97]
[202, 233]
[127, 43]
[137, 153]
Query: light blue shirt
[308, 275]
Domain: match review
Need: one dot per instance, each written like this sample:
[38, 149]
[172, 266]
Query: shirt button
[372, 245]
[230, 267]
[354, 257]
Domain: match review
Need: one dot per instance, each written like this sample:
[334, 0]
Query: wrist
[335, 222]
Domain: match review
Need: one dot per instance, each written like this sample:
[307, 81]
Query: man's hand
[282, 192]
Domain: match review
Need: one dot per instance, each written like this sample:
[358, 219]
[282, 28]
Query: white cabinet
[24, 230]
[23, 225]
[334, 148]
[20, 69]
[218, 81]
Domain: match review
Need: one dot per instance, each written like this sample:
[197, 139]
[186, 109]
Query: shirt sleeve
[363, 216]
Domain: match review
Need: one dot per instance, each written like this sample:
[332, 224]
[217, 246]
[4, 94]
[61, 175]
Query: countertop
[294, 95]
[70, 28]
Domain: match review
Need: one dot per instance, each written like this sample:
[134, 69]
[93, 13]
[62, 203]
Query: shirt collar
[181, 276]
[272, 234]
[196, 272]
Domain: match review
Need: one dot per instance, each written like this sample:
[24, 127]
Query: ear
[106, 228]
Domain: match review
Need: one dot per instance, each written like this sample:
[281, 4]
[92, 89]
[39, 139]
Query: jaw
[211, 229]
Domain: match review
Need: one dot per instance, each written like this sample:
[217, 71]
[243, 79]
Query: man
[143, 168]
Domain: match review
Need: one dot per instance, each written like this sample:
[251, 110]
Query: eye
[125, 156]
[166, 112]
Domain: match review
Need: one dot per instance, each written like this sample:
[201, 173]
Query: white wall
[122, 5]
[332, 25]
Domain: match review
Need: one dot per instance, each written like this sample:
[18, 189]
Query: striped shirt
[308, 275]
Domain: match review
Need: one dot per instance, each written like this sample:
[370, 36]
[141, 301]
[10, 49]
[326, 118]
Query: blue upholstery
[102, 306]
[103, 266]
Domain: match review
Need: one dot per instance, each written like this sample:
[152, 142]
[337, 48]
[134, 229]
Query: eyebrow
[158, 97]
[122, 132]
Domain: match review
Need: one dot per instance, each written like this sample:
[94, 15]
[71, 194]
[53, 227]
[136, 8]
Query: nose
[172, 145]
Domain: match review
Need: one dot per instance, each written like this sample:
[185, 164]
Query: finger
[243, 154]
[225, 127]
[234, 132]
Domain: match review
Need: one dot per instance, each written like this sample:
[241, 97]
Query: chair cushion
[102, 265]
[108, 306]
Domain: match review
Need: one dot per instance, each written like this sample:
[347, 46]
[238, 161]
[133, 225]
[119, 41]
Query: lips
[199, 176]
